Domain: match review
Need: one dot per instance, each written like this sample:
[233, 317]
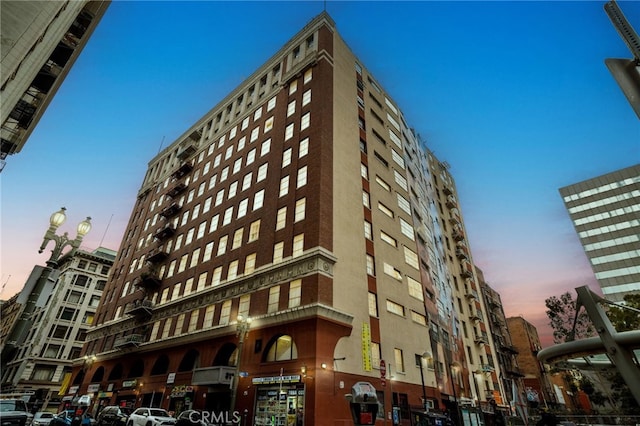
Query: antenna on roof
[325, 5]
[105, 231]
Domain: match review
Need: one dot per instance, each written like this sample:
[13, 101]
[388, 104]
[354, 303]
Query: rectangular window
[254, 231]
[251, 157]
[306, 97]
[399, 358]
[368, 230]
[228, 214]
[392, 272]
[242, 208]
[258, 199]
[219, 197]
[189, 238]
[291, 108]
[293, 86]
[400, 180]
[300, 211]
[397, 158]
[388, 239]
[404, 204]
[371, 266]
[237, 238]
[382, 183]
[179, 324]
[216, 278]
[208, 249]
[373, 305]
[288, 132]
[228, 152]
[375, 353]
[274, 299]
[249, 263]
[209, 312]
[395, 308]
[366, 200]
[308, 74]
[302, 177]
[193, 320]
[284, 186]
[265, 148]
[262, 172]
[244, 306]
[167, 327]
[286, 157]
[411, 258]
[303, 148]
[268, 124]
[384, 209]
[233, 189]
[415, 288]
[222, 245]
[418, 318]
[214, 223]
[236, 166]
[202, 281]
[295, 293]
[254, 134]
[246, 181]
[225, 312]
[407, 229]
[278, 250]
[305, 121]
[271, 104]
[257, 114]
[281, 218]
[194, 258]
[298, 245]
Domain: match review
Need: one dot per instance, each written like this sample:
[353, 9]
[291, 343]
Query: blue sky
[515, 96]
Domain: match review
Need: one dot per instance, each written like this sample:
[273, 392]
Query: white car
[150, 417]
[42, 418]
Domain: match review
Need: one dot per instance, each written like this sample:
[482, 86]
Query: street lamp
[18, 333]
[421, 358]
[242, 329]
[453, 371]
[62, 241]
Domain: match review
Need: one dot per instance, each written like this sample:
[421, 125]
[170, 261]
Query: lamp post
[242, 329]
[19, 331]
[423, 357]
[453, 371]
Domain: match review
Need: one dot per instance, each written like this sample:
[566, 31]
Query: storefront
[280, 401]
[181, 398]
[127, 396]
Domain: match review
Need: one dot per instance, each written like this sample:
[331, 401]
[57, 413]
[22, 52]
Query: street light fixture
[242, 329]
[425, 356]
[19, 330]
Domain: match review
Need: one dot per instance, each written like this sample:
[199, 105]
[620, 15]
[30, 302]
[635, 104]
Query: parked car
[150, 417]
[113, 415]
[190, 418]
[42, 418]
[14, 412]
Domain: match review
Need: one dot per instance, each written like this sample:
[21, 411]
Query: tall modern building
[43, 361]
[296, 240]
[605, 211]
[40, 42]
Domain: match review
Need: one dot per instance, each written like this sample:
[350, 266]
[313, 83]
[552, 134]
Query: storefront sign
[181, 391]
[171, 378]
[73, 390]
[366, 347]
[93, 388]
[295, 378]
[129, 383]
[102, 395]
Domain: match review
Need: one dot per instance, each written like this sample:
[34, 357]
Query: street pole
[242, 329]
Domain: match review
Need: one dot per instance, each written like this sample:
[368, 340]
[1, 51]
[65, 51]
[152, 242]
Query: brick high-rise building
[305, 202]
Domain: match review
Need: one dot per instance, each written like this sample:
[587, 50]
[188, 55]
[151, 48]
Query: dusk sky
[515, 96]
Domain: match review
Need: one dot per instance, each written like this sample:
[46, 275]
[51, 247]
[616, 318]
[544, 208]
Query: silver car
[150, 417]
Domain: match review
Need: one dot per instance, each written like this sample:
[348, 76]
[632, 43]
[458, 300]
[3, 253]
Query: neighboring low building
[42, 362]
[538, 389]
[506, 353]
